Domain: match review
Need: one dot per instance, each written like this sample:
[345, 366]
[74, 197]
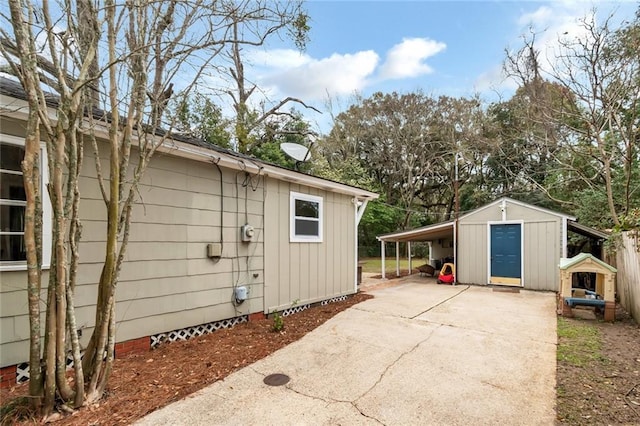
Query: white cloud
[548, 24]
[406, 59]
[278, 58]
[338, 74]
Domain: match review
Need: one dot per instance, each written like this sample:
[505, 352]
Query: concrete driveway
[417, 353]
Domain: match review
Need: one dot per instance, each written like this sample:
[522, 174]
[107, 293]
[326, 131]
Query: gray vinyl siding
[300, 273]
[542, 245]
[167, 282]
[542, 255]
[472, 253]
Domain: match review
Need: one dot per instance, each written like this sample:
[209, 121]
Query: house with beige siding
[216, 238]
[506, 242]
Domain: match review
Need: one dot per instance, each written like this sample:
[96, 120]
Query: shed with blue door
[506, 242]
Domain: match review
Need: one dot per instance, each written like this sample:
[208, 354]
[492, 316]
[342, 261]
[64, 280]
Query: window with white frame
[13, 202]
[306, 218]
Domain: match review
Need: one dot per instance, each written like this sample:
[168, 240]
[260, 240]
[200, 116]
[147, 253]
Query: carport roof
[425, 233]
[445, 230]
[581, 229]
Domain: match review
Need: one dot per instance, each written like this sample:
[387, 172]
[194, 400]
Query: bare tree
[249, 119]
[594, 111]
[147, 48]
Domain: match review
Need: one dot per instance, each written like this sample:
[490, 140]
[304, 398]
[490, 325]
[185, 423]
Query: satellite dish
[296, 151]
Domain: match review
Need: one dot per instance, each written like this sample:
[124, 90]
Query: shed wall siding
[167, 281]
[542, 237]
[472, 253]
[300, 273]
[542, 252]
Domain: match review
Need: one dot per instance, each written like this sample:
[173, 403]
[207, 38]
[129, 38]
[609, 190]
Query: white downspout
[397, 258]
[384, 275]
[455, 252]
[564, 237]
[357, 218]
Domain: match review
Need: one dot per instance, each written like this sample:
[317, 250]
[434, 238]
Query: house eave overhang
[186, 150]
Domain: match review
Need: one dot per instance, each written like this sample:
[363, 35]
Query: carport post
[409, 255]
[397, 258]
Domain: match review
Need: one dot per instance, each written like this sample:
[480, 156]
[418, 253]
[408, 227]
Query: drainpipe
[564, 237]
[455, 251]
[397, 258]
[384, 275]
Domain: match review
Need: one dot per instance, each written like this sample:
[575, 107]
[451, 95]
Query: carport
[440, 236]
[506, 242]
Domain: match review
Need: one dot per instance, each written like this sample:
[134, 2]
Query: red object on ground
[447, 274]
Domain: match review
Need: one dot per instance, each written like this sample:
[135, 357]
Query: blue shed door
[506, 254]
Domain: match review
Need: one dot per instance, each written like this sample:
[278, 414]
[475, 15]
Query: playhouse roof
[566, 263]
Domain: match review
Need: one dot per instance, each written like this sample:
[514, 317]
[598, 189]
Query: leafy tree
[409, 145]
[278, 129]
[197, 116]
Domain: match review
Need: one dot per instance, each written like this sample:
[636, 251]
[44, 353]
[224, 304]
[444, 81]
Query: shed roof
[519, 203]
[445, 229]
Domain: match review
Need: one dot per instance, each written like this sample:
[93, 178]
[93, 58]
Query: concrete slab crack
[386, 370]
[444, 301]
[364, 415]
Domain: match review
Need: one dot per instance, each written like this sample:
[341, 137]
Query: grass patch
[374, 264]
[579, 343]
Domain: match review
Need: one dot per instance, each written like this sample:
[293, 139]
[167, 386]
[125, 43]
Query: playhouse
[601, 297]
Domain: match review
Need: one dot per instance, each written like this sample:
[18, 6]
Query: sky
[453, 48]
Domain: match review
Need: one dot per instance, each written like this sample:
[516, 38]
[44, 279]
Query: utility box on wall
[214, 250]
[246, 233]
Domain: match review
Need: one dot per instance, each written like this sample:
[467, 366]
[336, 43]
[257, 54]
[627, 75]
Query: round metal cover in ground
[276, 379]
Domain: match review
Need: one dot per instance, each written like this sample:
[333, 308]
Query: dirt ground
[606, 391]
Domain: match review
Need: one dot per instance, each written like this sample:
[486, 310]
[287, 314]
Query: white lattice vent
[294, 310]
[198, 330]
[333, 300]
[22, 370]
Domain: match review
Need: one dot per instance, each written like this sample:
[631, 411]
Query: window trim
[293, 237]
[21, 265]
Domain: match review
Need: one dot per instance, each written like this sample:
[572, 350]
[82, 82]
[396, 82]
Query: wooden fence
[627, 261]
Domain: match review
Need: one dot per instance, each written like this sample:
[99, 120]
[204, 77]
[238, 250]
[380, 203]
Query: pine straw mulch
[142, 383]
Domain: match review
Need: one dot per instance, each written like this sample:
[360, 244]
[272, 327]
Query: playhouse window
[13, 202]
[306, 218]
